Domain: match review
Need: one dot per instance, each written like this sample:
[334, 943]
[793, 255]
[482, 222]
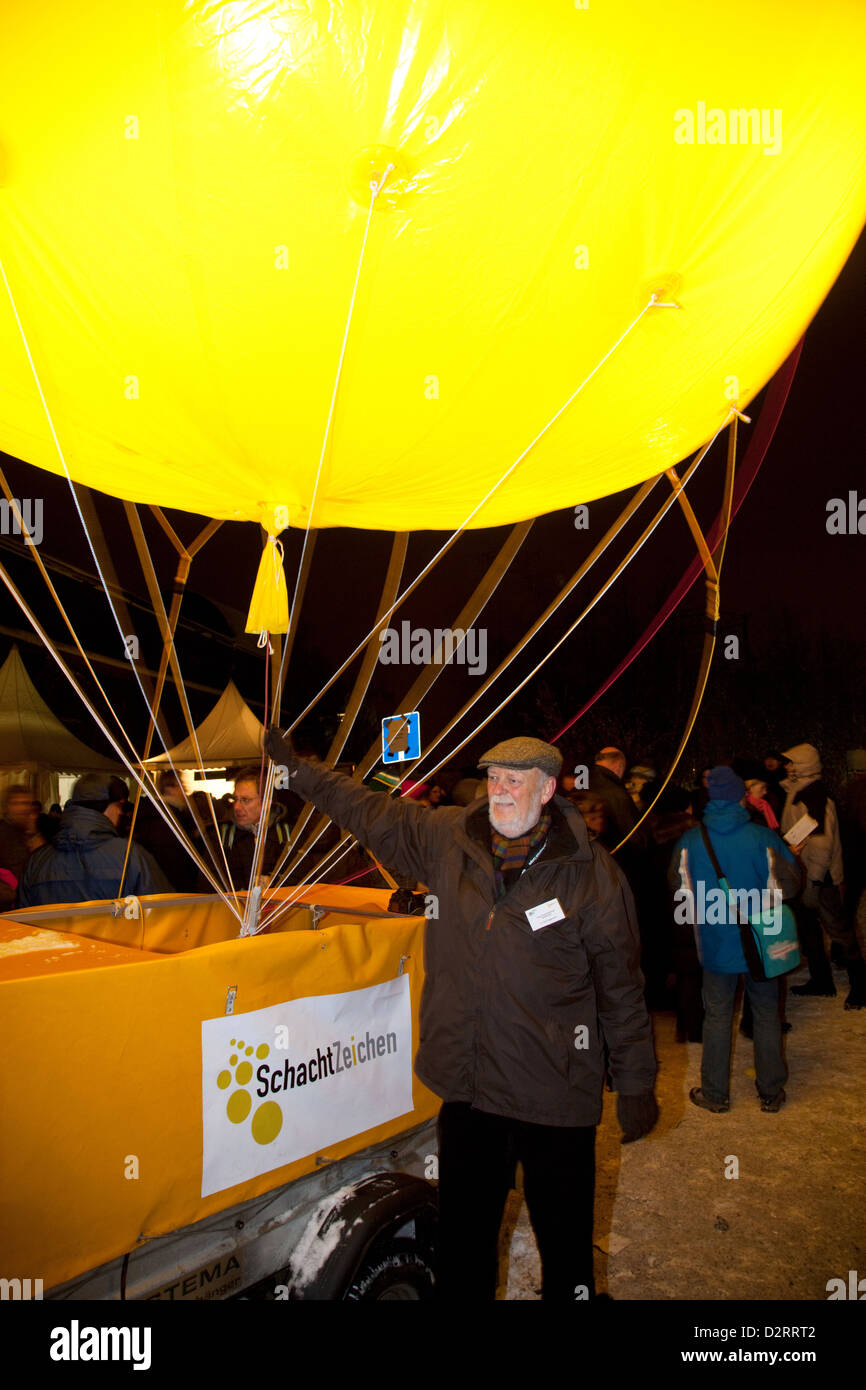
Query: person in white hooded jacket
[819, 907]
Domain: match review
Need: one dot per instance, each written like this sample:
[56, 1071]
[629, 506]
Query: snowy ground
[669, 1223]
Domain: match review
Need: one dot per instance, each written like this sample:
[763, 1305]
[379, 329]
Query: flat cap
[524, 753]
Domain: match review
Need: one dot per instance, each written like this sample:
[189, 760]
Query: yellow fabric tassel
[269, 609]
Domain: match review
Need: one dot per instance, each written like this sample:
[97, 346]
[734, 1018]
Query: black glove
[410, 904]
[279, 748]
[636, 1115]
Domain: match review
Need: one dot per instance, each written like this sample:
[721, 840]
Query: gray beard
[531, 820]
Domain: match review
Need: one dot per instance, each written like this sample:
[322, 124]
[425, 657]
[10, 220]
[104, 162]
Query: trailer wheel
[397, 1276]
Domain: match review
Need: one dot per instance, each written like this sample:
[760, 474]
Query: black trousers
[478, 1155]
[818, 909]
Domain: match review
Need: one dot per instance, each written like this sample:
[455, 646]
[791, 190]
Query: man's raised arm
[400, 833]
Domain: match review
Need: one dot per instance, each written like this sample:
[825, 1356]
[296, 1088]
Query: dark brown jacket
[512, 1020]
[621, 813]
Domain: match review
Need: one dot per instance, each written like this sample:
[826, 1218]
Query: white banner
[284, 1082]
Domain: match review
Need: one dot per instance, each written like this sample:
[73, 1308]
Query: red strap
[771, 412]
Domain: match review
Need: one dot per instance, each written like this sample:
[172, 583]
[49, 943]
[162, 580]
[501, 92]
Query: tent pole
[466, 617]
[393, 576]
[20, 634]
[94, 526]
[97, 538]
[167, 623]
[178, 587]
[277, 644]
[185, 558]
[712, 562]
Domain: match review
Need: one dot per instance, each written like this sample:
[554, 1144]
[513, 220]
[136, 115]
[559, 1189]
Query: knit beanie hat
[723, 784]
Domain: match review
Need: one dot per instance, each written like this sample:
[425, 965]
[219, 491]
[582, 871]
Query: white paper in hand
[800, 829]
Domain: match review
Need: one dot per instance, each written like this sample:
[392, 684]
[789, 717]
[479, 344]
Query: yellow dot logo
[267, 1122]
[238, 1107]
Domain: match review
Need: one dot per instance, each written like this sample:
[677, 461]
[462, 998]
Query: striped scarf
[511, 855]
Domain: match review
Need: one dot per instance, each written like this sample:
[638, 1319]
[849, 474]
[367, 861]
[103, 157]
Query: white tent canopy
[34, 745]
[230, 735]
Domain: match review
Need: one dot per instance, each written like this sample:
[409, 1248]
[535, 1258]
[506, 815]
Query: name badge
[544, 914]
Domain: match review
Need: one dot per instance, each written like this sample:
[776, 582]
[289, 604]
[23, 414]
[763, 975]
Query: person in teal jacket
[755, 859]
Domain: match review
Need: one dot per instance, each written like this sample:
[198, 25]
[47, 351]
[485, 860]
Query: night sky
[791, 592]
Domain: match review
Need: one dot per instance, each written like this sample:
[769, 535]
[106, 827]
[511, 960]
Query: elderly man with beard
[532, 970]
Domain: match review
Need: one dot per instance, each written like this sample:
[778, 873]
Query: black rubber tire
[392, 1275]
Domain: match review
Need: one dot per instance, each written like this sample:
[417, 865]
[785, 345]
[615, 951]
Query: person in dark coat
[774, 774]
[642, 786]
[675, 946]
[238, 835]
[19, 836]
[606, 783]
[156, 836]
[593, 810]
[852, 824]
[621, 817]
[84, 861]
[531, 969]
[47, 825]
[820, 907]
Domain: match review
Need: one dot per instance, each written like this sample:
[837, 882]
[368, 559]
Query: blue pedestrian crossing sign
[401, 738]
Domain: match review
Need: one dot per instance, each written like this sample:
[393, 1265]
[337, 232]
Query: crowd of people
[770, 824]
[775, 791]
[559, 928]
[77, 854]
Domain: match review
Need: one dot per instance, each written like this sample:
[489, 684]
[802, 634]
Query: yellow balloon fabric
[185, 201]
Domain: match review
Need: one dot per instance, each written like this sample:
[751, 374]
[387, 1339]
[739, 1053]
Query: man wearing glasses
[238, 835]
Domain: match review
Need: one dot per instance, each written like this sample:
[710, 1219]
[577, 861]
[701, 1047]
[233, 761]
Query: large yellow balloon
[185, 198]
